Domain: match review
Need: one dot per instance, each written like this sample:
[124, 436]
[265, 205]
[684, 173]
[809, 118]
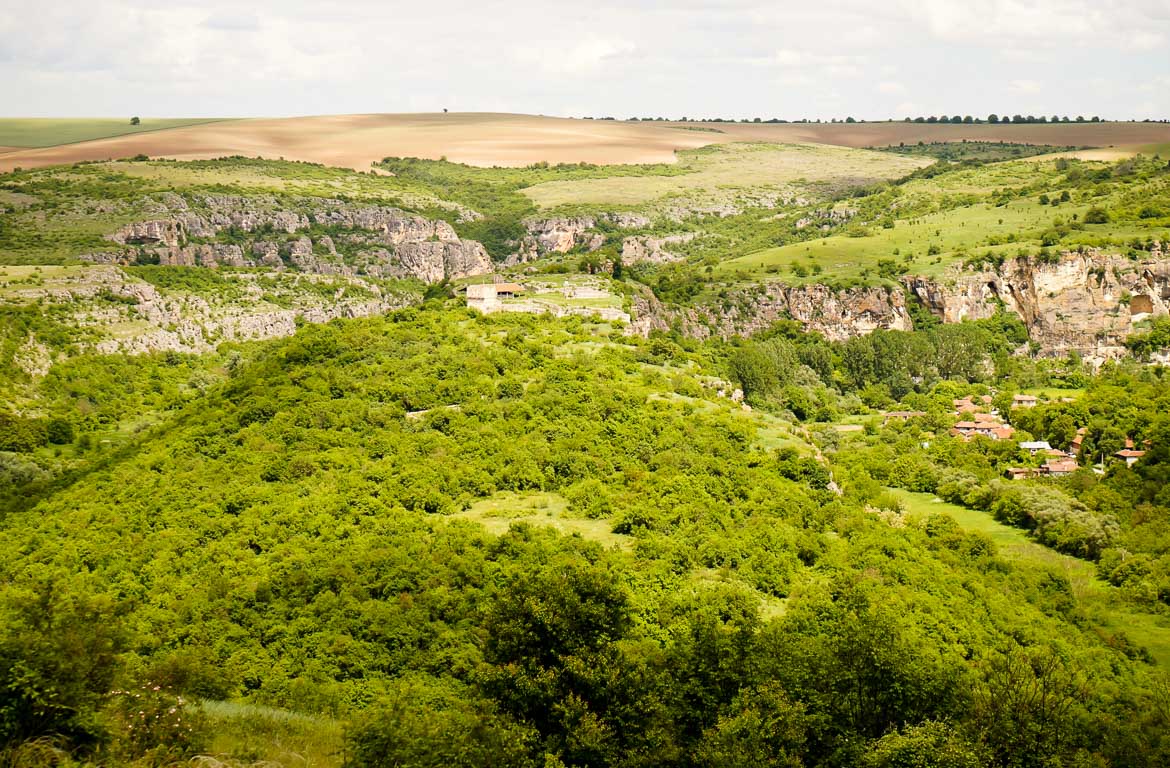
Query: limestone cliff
[838, 315]
[561, 234]
[130, 316]
[636, 248]
[1084, 301]
[380, 241]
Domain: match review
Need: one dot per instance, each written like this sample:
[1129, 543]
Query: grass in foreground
[248, 734]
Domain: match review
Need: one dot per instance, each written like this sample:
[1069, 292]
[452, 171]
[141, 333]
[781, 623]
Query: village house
[1024, 401]
[508, 290]
[988, 427]
[1059, 467]
[1129, 456]
[900, 416]
[486, 297]
[1074, 448]
[971, 404]
[1020, 473]
[1035, 446]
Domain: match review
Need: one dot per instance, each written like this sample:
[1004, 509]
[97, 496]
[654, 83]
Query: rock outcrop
[149, 320]
[1081, 301]
[400, 244]
[644, 248]
[838, 315]
[561, 234]
[1085, 302]
[160, 232]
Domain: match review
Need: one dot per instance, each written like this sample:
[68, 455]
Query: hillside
[305, 534]
[715, 448]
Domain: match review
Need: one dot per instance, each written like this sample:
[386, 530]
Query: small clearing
[499, 512]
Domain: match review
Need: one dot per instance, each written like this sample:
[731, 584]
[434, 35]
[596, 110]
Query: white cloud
[1027, 86]
[1148, 41]
[576, 58]
[732, 58]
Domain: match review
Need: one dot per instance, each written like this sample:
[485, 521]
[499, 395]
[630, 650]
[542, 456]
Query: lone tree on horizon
[134, 121]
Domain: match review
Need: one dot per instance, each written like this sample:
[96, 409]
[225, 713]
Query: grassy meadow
[35, 132]
[721, 171]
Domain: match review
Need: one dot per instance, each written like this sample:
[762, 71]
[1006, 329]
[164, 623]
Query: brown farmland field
[885, 134]
[485, 139]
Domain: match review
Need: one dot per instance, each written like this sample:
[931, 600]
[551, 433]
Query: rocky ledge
[130, 316]
[1085, 301]
[378, 241]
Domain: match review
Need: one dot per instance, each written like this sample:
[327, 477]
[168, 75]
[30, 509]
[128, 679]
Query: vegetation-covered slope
[294, 537]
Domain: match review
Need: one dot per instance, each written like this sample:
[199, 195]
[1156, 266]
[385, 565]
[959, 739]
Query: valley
[585, 443]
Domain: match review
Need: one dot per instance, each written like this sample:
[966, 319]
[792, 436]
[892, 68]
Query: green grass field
[719, 172]
[955, 234]
[31, 132]
[1053, 393]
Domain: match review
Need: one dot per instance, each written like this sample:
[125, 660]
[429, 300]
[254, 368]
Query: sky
[732, 59]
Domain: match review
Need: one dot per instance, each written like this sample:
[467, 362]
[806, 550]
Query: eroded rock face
[432, 261]
[561, 234]
[404, 244]
[160, 232]
[838, 315]
[652, 249]
[1086, 302]
[184, 322]
[627, 220]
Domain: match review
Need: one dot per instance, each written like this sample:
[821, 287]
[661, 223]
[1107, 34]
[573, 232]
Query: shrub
[151, 722]
[1096, 215]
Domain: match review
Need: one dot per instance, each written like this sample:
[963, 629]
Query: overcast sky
[735, 58]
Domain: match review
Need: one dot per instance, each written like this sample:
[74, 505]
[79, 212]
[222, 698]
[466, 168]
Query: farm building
[1074, 448]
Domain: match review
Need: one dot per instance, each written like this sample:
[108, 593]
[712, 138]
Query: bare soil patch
[886, 134]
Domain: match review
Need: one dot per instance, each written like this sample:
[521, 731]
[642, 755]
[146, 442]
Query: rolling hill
[487, 139]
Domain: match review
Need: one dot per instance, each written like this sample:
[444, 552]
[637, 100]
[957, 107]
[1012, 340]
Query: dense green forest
[518, 541]
[430, 537]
